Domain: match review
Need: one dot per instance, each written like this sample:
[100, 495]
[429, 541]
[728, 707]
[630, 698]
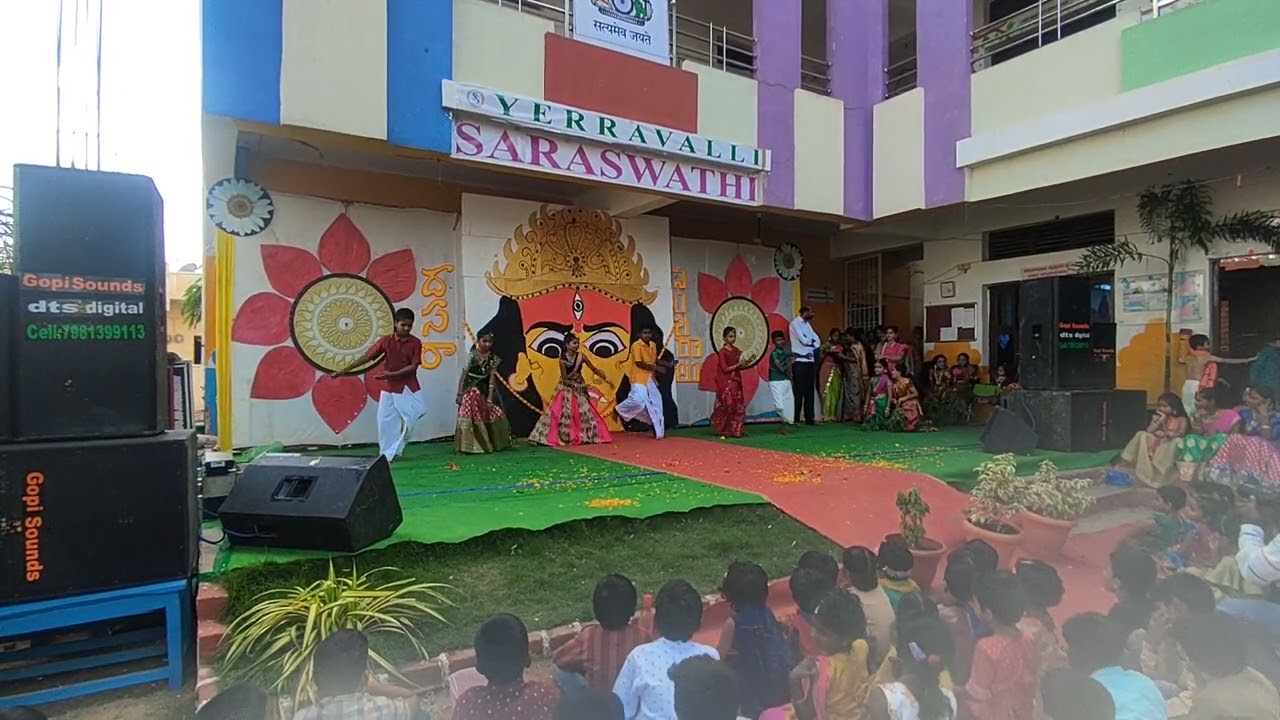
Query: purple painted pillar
[858, 50]
[777, 31]
[943, 29]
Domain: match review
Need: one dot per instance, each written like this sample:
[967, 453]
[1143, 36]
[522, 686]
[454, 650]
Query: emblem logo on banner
[635, 27]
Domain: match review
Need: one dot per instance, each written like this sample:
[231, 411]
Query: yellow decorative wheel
[337, 318]
[749, 320]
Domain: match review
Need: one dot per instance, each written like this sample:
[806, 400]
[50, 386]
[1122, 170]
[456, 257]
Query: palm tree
[1180, 216]
[193, 303]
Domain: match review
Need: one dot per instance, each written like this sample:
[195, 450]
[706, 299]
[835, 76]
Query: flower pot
[1006, 544]
[925, 560]
[1043, 537]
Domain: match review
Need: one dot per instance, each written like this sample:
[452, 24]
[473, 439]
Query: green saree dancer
[482, 426]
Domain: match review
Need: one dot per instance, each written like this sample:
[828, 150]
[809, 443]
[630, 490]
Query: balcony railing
[1164, 7]
[815, 75]
[692, 39]
[900, 77]
[1045, 22]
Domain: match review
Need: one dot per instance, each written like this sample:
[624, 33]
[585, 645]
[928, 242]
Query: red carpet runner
[850, 503]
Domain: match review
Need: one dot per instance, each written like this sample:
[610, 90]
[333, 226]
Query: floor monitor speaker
[1085, 420]
[91, 308]
[87, 516]
[1005, 432]
[333, 504]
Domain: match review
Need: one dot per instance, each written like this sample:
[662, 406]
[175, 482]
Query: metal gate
[862, 292]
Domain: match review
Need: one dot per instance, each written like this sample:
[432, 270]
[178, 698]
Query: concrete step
[1112, 518]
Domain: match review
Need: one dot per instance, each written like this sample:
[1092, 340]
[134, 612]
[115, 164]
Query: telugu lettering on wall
[688, 350]
[435, 316]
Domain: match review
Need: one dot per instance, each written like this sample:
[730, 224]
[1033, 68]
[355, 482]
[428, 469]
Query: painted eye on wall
[548, 343]
[604, 345]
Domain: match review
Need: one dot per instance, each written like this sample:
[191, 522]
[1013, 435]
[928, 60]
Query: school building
[541, 167]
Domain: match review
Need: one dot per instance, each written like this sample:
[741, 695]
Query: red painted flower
[326, 311]
[751, 306]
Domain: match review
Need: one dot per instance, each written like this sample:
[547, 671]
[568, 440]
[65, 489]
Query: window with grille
[862, 292]
[1074, 233]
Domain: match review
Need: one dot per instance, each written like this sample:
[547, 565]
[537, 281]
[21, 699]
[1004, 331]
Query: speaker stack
[94, 494]
[1067, 367]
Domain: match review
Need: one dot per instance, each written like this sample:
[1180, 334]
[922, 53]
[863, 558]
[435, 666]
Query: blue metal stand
[173, 598]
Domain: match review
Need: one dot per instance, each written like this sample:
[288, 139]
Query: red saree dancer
[571, 418]
[907, 399]
[731, 404]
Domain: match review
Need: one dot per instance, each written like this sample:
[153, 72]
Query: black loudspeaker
[1060, 347]
[1007, 433]
[334, 504]
[8, 334]
[88, 516]
[1085, 420]
[91, 309]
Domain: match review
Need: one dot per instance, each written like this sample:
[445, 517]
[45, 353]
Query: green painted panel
[1197, 37]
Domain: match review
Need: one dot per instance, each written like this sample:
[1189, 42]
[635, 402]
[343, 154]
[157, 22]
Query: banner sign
[635, 27]
[549, 117]
[490, 142]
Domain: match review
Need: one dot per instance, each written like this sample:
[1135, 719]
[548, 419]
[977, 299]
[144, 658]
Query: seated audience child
[896, 562]
[502, 656]
[959, 610]
[702, 689]
[595, 655]
[832, 685]
[862, 568]
[808, 587]
[644, 685]
[923, 647]
[1071, 695]
[912, 608]
[238, 702]
[823, 563]
[1042, 589]
[985, 557]
[340, 671]
[1005, 676]
[1227, 687]
[1130, 576]
[752, 641]
[590, 704]
[1095, 646]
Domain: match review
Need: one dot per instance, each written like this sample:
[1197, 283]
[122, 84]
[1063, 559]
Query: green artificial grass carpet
[949, 454]
[449, 498]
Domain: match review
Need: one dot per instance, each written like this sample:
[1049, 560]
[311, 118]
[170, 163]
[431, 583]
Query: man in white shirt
[804, 374]
[645, 685]
[1259, 565]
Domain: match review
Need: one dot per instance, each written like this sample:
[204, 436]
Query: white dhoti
[1189, 390]
[784, 400]
[397, 414]
[644, 403]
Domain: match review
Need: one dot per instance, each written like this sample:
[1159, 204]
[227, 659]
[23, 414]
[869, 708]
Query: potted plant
[993, 504]
[1050, 509]
[927, 552]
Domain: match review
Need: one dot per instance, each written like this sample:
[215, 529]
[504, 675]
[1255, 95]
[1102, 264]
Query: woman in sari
[730, 410]
[1153, 452]
[571, 418]
[853, 368]
[1213, 421]
[964, 374]
[830, 379]
[877, 409]
[1251, 456]
[905, 398]
[939, 377]
[482, 426]
[894, 352]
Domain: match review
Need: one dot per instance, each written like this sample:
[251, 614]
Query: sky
[150, 99]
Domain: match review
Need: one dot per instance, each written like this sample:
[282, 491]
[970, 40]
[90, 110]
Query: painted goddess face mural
[567, 270]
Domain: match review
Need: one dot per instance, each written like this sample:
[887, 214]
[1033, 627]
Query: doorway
[1246, 317]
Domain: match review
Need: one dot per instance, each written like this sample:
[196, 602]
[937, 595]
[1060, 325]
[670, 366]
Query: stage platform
[449, 498]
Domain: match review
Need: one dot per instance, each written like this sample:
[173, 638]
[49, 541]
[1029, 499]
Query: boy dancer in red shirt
[400, 405]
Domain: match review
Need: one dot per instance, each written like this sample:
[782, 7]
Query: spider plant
[275, 639]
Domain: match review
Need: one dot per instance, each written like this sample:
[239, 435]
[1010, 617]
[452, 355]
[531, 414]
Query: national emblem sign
[635, 27]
